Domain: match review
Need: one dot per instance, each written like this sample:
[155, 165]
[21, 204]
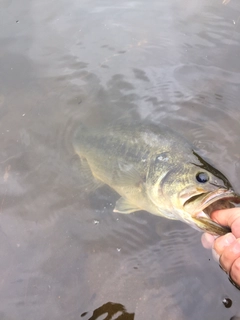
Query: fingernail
[236, 247]
[228, 239]
[224, 241]
[207, 240]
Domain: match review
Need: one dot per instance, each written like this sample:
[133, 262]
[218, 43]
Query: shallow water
[65, 254]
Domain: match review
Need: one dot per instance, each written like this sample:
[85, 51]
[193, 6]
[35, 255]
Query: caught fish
[154, 169]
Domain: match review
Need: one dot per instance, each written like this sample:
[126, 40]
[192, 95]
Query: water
[64, 254]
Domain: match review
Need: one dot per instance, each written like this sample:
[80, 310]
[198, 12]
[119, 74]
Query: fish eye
[202, 177]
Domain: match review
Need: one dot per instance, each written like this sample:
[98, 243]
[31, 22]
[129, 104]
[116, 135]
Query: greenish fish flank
[154, 169]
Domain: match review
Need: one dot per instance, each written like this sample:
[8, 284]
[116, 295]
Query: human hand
[226, 248]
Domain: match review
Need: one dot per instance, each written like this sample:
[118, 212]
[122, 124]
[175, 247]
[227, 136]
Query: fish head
[191, 189]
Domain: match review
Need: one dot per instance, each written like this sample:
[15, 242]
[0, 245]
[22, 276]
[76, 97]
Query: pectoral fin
[125, 207]
[87, 179]
[126, 174]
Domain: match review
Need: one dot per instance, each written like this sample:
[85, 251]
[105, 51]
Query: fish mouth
[201, 206]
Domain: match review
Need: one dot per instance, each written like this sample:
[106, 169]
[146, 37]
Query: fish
[155, 169]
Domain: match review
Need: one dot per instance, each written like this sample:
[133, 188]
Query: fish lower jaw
[193, 220]
[204, 223]
[202, 214]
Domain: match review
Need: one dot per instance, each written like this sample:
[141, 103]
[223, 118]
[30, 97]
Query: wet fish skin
[153, 169]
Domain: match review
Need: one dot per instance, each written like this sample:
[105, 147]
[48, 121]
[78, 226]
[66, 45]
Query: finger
[222, 242]
[207, 240]
[229, 255]
[228, 217]
[215, 255]
[235, 271]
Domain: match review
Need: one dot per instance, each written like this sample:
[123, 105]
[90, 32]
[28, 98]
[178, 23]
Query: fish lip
[210, 197]
[201, 212]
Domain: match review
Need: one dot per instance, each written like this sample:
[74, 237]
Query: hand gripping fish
[154, 169]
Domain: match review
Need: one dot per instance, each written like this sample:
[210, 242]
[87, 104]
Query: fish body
[154, 169]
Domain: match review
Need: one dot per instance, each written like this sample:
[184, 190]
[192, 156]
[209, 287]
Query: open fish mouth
[201, 207]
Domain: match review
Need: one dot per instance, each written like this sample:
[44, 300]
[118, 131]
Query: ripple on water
[64, 252]
[165, 269]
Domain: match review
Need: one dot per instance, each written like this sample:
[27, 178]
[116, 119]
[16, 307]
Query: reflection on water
[110, 311]
[61, 63]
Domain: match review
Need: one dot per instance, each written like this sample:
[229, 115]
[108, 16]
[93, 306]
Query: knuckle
[235, 271]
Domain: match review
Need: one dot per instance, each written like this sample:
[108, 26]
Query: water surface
[65, 254]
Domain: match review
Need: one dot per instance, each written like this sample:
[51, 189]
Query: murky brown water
[65, 254]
